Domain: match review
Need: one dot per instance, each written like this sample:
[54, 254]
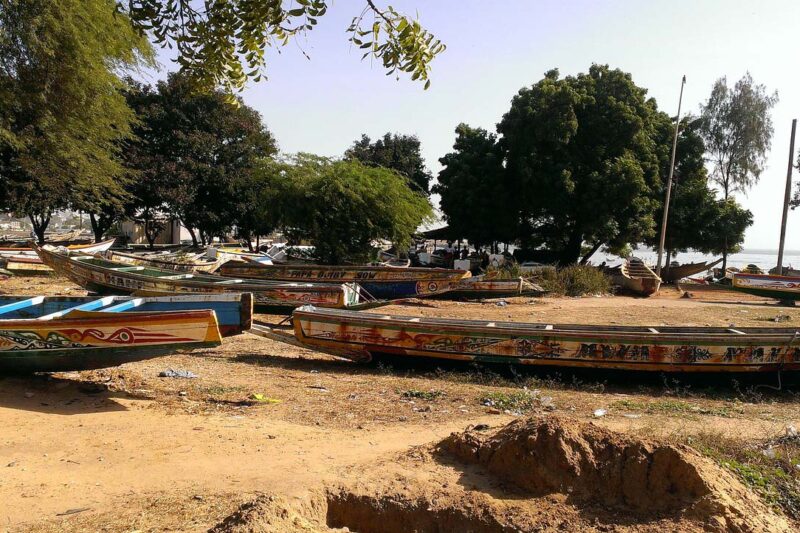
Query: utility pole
[786, 196]
[669, 182]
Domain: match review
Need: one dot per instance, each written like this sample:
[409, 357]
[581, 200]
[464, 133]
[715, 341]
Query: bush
[575, 280]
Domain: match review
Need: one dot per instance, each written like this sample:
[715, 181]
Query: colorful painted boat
[380, 281]
[173, 262]
[81, 340]
[785, 288]
[93, 248]
[108, 277]
[361, 336]
[480, 287]
[634, 276]
[677, 272]
[234, 311]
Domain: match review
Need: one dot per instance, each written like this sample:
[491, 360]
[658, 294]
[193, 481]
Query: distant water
[764, 259]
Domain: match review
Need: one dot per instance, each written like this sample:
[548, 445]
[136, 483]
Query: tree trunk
[40, 222]
[193, 235]
[100, 225]
[572, 251]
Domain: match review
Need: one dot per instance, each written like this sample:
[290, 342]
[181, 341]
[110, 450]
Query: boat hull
[87, 340]
[381, 282]
[93, 248]
[234, 312]
[477, 288]
[786, 288]
[360, 336]
[94, 275]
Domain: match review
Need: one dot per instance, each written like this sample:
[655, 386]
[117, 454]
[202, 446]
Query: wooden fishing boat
[478, 287]
[361, 336]
[108, 277]
[92, 248]
[234, 311]
[379, 281]
[173, 262]
[785, 288]
[677, 272]
[25, 265]
[633, 275]
[80, 340]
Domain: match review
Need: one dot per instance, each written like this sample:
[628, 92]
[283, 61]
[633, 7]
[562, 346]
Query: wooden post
[786, 198]
[669, 183]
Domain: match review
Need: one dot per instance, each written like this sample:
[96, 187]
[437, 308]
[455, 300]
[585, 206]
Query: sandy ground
[121, 449]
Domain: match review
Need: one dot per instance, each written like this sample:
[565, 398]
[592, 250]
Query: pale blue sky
[323, 104]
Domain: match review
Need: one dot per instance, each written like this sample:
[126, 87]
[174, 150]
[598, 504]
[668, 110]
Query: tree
[394, 151]
[61, 111]
[582, 157]
[224, 44]
[190, 151]
[343, 206]
[737, 129]
[473, 189]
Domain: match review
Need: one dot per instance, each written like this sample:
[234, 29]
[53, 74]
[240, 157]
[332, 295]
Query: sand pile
[595, 466]
[535, 474]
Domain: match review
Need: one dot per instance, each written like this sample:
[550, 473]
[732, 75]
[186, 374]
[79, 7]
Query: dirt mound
[595, 466]
[273, 514]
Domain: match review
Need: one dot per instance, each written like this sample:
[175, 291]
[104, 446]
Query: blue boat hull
[234, 311]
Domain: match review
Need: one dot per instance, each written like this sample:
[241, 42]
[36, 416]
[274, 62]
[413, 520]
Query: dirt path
[106, 448]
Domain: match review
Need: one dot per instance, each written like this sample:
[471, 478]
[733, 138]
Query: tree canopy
[473, 191]
[582, 156]
[61, 111]
[192, 154]
[397, 152]
[223, 44]
[736, 125]
[341, 207]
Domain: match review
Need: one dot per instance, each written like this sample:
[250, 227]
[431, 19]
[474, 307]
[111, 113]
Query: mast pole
[786, 198]
[669, 182]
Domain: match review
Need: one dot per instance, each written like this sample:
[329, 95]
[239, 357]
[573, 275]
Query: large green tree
[224, 43]
[397, 152]
[582, 156]
[736, 125]
[190, 152]
[61, 111]
[341, 207]
[473, 190]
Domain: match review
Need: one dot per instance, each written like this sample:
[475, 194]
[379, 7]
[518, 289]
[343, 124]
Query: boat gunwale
[665, 335]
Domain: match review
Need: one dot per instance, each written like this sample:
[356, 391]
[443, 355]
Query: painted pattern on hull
[715, 349]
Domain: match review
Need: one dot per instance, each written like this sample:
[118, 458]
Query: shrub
[575, 280]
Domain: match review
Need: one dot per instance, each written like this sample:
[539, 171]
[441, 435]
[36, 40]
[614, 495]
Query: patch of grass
[517, 402]
[670, 406]
[768, 467]
[423, 395]
[221, 390]
[575, 280]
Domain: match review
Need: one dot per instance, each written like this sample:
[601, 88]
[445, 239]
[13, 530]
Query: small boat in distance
[784, 288]
[108, 277]
[478, 287]
[92, 248]
[361, 336]
[675, 272]
[633, 275]
[173, 262]
[382, 282]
